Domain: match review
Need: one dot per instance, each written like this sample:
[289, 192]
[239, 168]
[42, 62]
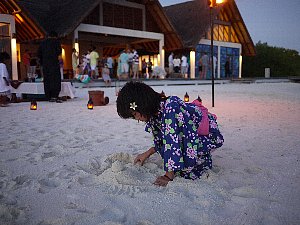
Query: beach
[63, 164]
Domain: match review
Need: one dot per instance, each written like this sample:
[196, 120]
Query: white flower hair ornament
[133, 105]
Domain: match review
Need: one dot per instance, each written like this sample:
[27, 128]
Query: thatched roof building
[192, 22]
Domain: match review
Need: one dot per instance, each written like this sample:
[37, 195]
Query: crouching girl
[177, 128]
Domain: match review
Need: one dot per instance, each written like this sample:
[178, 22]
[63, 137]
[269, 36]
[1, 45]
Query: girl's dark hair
[146, 99]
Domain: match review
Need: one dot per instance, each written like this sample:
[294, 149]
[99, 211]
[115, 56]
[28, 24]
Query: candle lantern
[199, 99]
[33, 105]
[90, 104]
[186, 97]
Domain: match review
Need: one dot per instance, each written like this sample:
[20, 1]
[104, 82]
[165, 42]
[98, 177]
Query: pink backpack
[203, 128]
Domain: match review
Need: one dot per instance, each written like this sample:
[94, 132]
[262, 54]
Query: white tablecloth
[38, 88]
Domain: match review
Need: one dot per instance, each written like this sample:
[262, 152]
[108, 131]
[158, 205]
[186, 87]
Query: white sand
[64, 164]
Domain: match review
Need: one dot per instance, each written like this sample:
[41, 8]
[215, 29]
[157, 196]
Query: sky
[273, 21]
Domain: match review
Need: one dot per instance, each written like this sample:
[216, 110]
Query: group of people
[128, 64]
[178, 65]
[204, 65]
[87, 67]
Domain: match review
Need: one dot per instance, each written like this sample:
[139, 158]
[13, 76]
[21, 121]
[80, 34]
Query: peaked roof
[192, 28]
[27, 28]
[64, 16]
[56, 15]
[190, 19]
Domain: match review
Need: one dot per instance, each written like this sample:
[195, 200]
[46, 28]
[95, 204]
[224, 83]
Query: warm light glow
[63, 54]
[90, 104]
[33, 105]
[186, 97]
[220, 1]
[76, 46]
[14, 58]
[18, 52]
[19, 18]
[192, 63]
[155, 60]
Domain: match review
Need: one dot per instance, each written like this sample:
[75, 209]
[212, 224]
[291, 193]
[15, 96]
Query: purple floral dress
[176, 139]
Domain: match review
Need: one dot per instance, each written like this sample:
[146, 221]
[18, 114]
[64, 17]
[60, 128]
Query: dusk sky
[273, 21]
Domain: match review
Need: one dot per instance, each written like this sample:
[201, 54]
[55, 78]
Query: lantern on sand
[186, 97]
[90, 104]
[33, 105]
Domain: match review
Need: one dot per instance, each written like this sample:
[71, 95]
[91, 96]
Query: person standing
[130, 62]
[49, 51]
[124, 65]
[135, 64]
[94, 56]
[171, 64]
[176, 63]
[75, 60]
[4, 79]
[204, 61]
[184, 66]
[227, 68]
[215, 66]
[110, 64]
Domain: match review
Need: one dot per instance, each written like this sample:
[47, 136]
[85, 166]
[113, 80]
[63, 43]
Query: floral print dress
[176, 139]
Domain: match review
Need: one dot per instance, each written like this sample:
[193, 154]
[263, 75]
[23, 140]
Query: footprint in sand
[12, 215]
[21, 181]
[47, 155]
[109, 215]
[47, 185]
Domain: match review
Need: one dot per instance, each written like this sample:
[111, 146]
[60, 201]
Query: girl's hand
[142, 157]
[164, 180]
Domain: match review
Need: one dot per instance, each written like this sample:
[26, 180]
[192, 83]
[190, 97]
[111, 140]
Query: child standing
[174, 126]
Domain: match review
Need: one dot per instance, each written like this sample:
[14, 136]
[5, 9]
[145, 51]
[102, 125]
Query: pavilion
[113, 25]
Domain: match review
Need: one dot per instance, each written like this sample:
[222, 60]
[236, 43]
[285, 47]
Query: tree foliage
[282, 62]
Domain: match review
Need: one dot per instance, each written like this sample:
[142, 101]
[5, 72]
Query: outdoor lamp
[33, 105]
[90, 104]
[186, 97]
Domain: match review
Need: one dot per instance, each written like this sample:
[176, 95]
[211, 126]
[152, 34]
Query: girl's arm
[142, 157]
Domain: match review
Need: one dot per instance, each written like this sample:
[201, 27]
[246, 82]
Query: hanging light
[90, 104]
[33, 105]
[186, 97]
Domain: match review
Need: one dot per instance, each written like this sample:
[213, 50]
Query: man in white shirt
[176, 63]
[184, 66]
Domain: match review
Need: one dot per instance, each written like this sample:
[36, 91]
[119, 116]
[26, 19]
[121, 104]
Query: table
[67, 89]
